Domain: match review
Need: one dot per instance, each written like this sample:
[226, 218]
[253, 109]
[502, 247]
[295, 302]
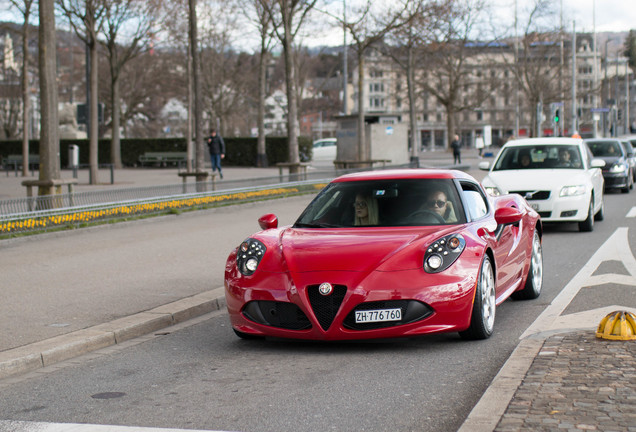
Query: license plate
[378, 315]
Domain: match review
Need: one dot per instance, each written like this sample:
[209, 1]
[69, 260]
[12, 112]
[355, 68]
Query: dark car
[617, 172]
[630, 153]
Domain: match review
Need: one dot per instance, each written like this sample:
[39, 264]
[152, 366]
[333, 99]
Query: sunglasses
[360, 204]
[436, 203]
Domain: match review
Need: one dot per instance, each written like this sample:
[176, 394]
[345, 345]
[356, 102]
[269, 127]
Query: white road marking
[615, 248]
[24, 426]
[631, 213]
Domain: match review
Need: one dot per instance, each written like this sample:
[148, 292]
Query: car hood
[530, 180]
[610, 160]
[360, 249]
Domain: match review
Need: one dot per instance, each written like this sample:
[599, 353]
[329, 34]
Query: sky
[611, 15]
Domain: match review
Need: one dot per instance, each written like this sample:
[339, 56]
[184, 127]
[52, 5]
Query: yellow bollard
[618, 325]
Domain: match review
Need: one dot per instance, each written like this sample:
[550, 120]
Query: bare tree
[24, 7]
[420, 20]
[262, 21]
[538, 69]
[367, 28]
[287, 17]
[135, 19]
[86, 18]
[450, 74]
[49, 142]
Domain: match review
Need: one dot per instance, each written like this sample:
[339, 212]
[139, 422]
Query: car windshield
[539, 157]
[605, 148]
[403, 202]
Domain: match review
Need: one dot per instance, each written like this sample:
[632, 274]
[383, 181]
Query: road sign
[599, 110]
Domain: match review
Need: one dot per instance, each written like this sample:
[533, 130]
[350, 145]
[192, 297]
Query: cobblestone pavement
[577, 382]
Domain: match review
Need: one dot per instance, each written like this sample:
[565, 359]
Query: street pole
[574, 113]
[626, 113]
[517, 113]
[595, 94]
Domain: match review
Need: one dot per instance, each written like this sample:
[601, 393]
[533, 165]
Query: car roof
[400, 174]
[612, 139]
[544, 141]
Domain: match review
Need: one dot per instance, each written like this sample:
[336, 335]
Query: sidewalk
[566, 382]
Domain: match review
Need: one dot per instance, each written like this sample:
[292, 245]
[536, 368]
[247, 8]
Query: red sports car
[387, 254]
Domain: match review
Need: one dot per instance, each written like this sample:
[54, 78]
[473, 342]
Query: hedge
[239, 151]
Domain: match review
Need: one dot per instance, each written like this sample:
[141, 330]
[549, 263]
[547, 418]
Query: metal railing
[42, 213]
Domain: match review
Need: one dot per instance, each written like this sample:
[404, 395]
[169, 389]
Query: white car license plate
[378, 315]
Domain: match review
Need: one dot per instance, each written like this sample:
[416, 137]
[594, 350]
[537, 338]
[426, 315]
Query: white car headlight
[572, 190]
[618, 168]
[492, 190]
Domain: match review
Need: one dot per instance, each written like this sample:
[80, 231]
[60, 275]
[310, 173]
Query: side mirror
[268, 221]
[485, 165]
[507, 215]
[597, 163]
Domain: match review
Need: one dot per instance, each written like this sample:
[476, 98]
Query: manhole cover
[108, 395]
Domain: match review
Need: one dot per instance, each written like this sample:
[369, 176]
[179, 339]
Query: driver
[437, 202]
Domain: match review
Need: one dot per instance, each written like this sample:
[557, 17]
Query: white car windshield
[539, 157]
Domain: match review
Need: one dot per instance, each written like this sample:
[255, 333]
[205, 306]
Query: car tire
[482, 320]
[628, 185]
[588, 224]
[600, 215]
[534, 280]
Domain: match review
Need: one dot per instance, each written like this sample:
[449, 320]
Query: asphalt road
[200, 376]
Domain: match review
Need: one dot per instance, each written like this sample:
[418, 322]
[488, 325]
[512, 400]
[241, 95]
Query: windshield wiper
[315, 225]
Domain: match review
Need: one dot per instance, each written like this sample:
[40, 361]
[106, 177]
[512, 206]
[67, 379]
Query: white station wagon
[558, 177]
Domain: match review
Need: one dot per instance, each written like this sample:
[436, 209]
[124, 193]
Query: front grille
[326, 307]
[277, 314]
[412, 311]
[534, 195]
[545, 214]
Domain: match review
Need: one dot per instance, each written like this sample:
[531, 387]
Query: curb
[54, 350]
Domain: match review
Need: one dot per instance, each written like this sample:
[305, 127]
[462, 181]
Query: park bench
[163, 158]
[14, 161]
[297, 169]
[346, 164]
[55, 183]
[200, 178]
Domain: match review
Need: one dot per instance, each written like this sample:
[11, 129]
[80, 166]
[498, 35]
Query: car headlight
[443, 253]
[249, 255]
[572, 190]
[618, 168]
[492, 190]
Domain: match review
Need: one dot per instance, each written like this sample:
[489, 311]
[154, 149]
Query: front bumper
[618, 180]
[281, 305]
[562, 209]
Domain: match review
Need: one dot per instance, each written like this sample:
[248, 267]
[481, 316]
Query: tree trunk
[25, 95]
[292, 101]
[49, 142]
[261, 150]
[450, 125]
[196, 72]
[410, 84]
[92, 112]
[115, 143]
[362, 144]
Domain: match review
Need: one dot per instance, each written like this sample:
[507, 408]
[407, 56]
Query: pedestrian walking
[216, 146]
[456, 145]
[479, 144]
